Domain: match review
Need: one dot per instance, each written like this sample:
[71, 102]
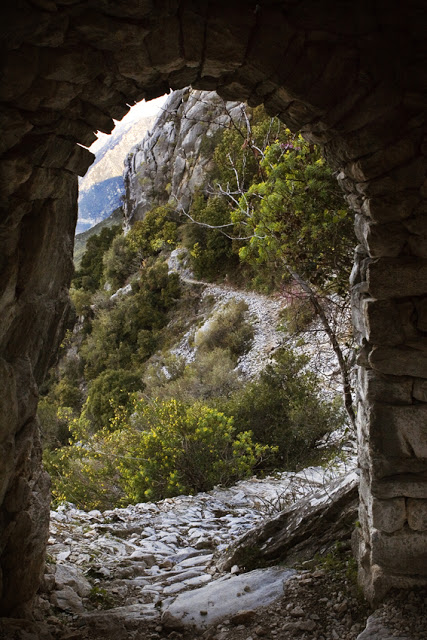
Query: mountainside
[176, 156]
[190, 369]
[98, 202]
[81, 238]
[101, 189]
[111, 150]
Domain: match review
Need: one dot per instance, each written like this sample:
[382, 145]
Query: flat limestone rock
[70, 576]
[309, 526]
[225, 597]
[377, 630]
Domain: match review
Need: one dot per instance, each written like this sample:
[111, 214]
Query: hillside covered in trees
[147, 399]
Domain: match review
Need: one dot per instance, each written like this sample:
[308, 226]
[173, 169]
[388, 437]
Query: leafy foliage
[108, 391]
[212, 254]
[185, 449]
[128, 330]
[89, 275]
[296, 215]
[168, 449]
[157, 231]
[210, 376]
[227, 329]
[284, 408]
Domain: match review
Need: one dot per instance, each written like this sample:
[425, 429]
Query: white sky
[136, 112]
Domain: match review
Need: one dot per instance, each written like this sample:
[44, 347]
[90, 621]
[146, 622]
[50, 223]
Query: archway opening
[69, 70]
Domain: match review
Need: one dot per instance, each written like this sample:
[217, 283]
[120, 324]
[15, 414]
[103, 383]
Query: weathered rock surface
[311, 525]
[138, 561]
[175, 157]
[219, 600]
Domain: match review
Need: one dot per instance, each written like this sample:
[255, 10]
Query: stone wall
[350, 76]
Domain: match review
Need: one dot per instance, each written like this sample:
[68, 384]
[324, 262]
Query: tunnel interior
[351, 78]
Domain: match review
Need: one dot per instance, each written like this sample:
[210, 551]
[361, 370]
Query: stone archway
[349, 75]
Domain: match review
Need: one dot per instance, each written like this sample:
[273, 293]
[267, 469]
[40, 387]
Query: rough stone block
[169, 57]
[399, 431]
[13, 126]
[410, 175]
[416, 225]
[380, 239]
[53, 33]
[384, 466]
[411, 485]
[77, 66]
[420, 390]
[192, 35]
[421, 306]
[41, 185]
[374, 386]
[417, 245]
[397, 277]
[97, 28]
[404, 551]
[56, 95]
[382, 161]
[19, 68]
[382, 322]
[135, 64]
[408, 321]
[80, 160]
[388, 515]
[390, 207]
[95, 118]
[131, 8]
[226, 41]
[15, 170]
[50, 151]
[183, 77]
[417, 514]
[399, 361]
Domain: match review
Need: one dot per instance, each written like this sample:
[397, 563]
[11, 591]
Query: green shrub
[184, 449]
[128, 331]
[67, 393]
[53, 424]
[157, 231]
[212, 254]
[119, 262]
[81, 299]
[89, 275]
[85, 472]
[211, 375]
[111, 389]
[227, 329]
[163, 450]
[284, 408]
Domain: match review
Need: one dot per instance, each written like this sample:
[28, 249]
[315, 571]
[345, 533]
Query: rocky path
[263, 312]
[152, 571]
[133, 564]
[146, 554]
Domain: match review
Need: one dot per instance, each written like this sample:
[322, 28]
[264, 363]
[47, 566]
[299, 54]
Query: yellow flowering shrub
[185, 449]
[164, 449]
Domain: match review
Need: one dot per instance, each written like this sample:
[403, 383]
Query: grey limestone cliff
[175, 156]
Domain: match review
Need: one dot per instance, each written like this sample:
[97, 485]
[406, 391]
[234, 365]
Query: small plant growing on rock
[100, 598]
